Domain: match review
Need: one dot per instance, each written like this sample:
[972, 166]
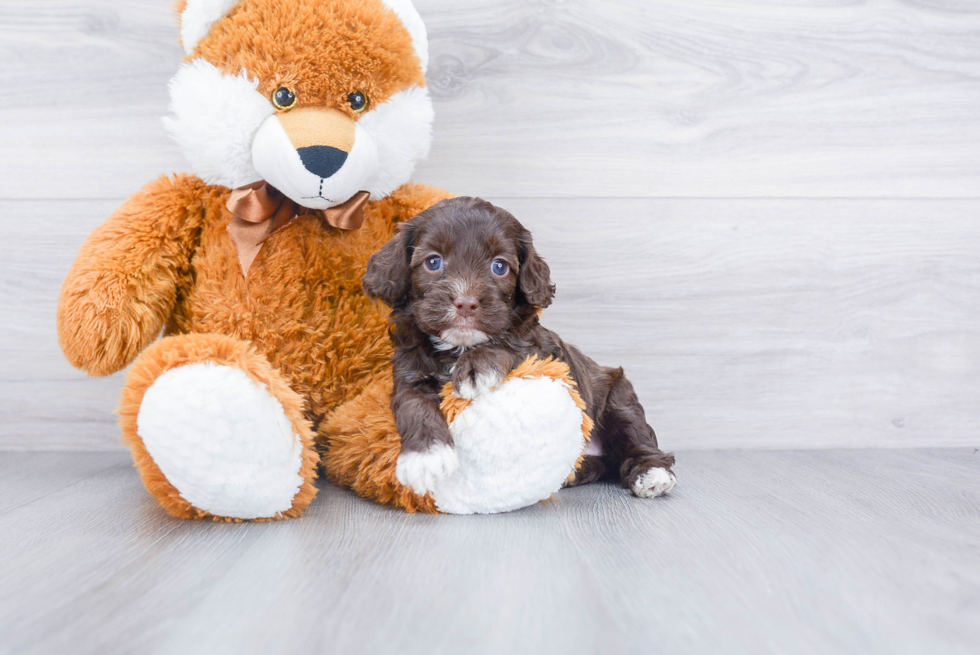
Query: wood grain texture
[26, 478]
[776, 323]
[576, 98]
[754, 552]
[45, 402]
[91, 85]
[748, 323]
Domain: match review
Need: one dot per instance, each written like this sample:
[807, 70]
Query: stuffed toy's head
[321, 99]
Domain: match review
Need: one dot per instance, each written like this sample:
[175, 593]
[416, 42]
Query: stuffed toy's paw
[516, 443]
[216, 433]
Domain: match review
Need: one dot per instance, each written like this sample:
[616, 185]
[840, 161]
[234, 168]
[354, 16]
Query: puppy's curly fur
[466, 287]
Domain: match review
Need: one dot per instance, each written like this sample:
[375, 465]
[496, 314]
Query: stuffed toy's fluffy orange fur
[302, 121]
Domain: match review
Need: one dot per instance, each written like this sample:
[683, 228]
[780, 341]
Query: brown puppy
[465, 285]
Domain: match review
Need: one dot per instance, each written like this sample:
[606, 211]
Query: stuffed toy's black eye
[434, 263]
[499, 267]
[358, 101]
[283, 98]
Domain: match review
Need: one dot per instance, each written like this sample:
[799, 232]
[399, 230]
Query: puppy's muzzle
[323, 138]
[466, 306]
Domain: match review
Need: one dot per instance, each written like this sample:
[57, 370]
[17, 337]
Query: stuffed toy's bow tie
[259, 210]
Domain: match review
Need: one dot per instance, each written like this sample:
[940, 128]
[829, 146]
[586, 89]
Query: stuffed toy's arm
[410, 199]
[123, 284]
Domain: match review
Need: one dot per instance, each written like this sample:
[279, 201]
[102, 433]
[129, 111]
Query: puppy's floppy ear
[534, 277]
[388, 276]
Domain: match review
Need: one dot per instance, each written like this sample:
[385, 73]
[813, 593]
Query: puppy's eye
[499, 267]
[434, 263]
[283, 98]
[358, 101]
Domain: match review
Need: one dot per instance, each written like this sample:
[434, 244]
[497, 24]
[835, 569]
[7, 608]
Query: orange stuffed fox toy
[302, 121]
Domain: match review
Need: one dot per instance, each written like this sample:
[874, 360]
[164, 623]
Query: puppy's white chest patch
[443, 346]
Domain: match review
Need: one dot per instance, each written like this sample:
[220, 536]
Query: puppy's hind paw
[421, 470]
[655, 482]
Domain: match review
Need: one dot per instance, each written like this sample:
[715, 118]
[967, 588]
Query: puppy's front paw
[470, 379]
[655, 482]
[470, 388]
[421, 470]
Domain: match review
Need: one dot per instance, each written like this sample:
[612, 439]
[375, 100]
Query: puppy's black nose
[322, 160]
[466, 306]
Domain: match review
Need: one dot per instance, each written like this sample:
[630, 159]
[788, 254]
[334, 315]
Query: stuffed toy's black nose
[322, 160]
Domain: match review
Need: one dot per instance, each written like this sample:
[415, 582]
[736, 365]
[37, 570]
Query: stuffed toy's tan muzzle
[323, 137]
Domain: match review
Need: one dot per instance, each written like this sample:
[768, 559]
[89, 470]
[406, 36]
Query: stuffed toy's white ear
[198, 17]
[416, 28]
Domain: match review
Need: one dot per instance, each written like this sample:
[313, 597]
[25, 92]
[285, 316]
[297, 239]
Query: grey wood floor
[846, 551]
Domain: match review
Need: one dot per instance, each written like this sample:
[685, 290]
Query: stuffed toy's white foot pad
[421, 470]
[516, 445]
[222, 440]
[655, 482]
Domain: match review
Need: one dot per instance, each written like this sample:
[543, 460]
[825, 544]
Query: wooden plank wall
[768, 212]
